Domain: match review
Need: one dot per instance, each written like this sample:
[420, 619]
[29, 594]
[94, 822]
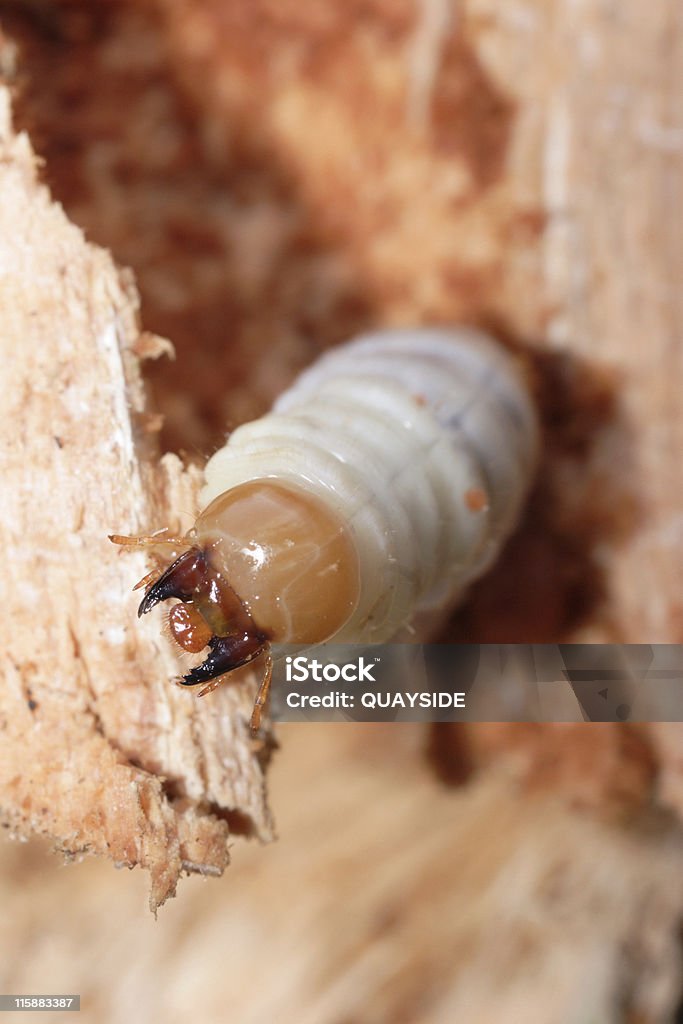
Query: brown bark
[99, 750]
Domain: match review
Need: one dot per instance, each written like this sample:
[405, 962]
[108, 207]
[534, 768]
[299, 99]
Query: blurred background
[280, 176]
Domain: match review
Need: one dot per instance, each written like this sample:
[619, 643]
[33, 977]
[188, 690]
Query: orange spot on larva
[476, 499]
[420, 400]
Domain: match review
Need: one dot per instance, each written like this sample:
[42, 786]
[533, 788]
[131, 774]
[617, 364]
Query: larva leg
[148, 540]
[155, 539]
[149, 578]
[263, 691]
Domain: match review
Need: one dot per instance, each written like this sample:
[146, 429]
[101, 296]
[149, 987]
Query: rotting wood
[99, 751]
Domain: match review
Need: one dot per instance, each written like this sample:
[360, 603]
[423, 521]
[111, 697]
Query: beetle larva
[383, 482]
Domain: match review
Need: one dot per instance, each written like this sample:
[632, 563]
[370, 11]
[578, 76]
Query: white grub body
[422, 442]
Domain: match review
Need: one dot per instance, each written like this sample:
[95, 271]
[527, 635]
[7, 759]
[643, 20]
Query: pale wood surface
[598, 145]
[385, 899]
[99, 751]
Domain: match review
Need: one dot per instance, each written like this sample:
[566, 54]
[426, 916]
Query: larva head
[210, 615]
[268, 562]
[287, 556]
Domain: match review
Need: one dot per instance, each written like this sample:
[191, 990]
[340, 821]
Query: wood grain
[99, 751]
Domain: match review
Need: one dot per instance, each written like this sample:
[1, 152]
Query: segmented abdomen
[423, 441]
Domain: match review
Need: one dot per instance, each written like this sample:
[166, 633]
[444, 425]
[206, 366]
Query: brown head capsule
[268, 562]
